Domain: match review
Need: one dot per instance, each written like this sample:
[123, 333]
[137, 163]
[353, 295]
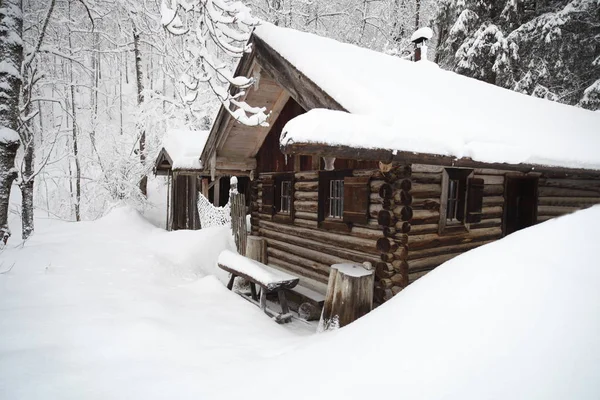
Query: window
[343, 200]
[336, 198]
[453, 203]
[286, 197]
[455, 184]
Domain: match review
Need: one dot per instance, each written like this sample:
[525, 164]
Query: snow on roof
[433, 110]
[425, 33]
[184, 147]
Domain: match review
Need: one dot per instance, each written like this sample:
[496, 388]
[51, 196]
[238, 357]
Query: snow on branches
[213, 30]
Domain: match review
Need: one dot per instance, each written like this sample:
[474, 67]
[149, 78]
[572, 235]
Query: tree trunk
[11, 55]
[417, 13]
[74, 134]
[349, 296]
[140, 99]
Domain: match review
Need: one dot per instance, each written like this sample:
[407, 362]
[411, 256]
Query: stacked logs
[391, 273]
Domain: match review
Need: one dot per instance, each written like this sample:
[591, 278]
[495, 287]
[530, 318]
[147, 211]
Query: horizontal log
[421, 217]
[556, 211]
[565, 192]
[384, 270]
[319, 256]
[374, 210]
[418, 242]
[416, 168]
[306, 223]
[424, 177]
[373, 173]
[294, 268]
[386, 191]
[306, 176]
[375, 185]
[416, 275]
[491, 190]
[489, 171]
[568, 201]
[311, 196]
[402, 227]
[403, 213]
[307, 206]
[491, 179]
[400, 266]
[343, 241]
[386, 218]
[580, 184]
[366, 233]
[311, 216]
[427, 264]
[306, 264]
[426, 204]
[491, 212]
[493, 200]
[307, 186]
[423, 229]
[425, 190]
[544, 218]
[486, 223]
[437, 251]
[386, 245]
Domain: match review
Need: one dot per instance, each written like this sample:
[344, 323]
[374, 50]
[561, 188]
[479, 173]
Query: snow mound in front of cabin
[119, 309]
[516, 319]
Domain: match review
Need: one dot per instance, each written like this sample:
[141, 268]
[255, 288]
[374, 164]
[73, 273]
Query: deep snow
[120, 309]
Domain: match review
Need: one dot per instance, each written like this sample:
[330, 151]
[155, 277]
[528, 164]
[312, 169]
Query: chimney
[420, 38]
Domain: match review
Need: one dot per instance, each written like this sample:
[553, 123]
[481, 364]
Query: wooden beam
[386, 155]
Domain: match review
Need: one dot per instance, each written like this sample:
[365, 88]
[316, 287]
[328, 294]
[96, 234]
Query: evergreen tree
[545, 48]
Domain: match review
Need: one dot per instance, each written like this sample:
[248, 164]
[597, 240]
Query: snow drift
[515, 319]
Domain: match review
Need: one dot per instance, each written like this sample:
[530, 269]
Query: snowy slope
[119, 309]
[460, 116]
[515, 319]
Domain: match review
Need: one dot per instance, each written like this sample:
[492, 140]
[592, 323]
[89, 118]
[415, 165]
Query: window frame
[461, 176]
[326, 221]
[278, 180]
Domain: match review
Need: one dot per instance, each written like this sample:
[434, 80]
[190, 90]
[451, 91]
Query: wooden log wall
[394, 215]
[301, 246]
[560, 195]
[428, 249]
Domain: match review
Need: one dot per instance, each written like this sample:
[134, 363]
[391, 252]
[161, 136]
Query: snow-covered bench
[270, 281]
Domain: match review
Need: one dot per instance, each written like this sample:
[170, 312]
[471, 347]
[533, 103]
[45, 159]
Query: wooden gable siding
[303, 248]
[269, 157]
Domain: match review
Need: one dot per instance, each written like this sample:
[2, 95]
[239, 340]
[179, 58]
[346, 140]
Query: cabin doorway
[520, 207]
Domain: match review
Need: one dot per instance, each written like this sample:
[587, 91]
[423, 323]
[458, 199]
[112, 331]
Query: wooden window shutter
[356, 199]
[268, 196]
[324, 178]
[474, 200]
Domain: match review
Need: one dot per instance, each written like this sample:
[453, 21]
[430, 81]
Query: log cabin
[372, 158]
[179, 161]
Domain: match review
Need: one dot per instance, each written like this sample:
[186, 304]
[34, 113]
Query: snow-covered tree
[543, 48]
[11, 59]
[213, 29]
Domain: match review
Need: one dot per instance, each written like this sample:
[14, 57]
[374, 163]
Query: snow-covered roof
[184, 147]
[416, 107]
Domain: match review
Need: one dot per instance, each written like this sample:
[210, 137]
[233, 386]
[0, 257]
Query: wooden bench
[270, 281]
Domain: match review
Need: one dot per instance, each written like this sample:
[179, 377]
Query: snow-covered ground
[120, 309]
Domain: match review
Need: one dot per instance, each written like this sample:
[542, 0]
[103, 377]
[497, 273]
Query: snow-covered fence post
[238, 216]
